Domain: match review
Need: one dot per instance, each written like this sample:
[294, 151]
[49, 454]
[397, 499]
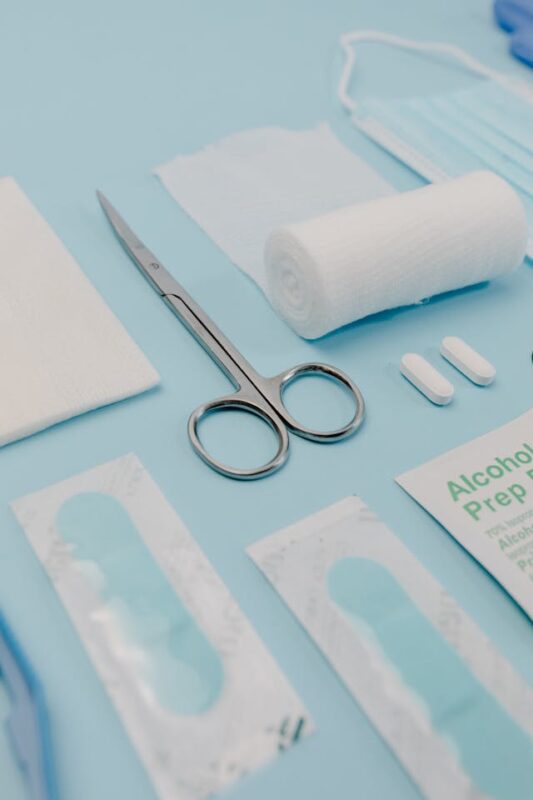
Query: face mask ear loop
[347, 40]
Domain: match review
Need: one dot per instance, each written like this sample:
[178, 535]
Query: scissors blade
[197, 322]
[150, 266]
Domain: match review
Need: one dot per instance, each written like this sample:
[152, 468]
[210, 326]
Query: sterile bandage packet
[62, 350]
[482, 492]
[452, 709]
[200, 696]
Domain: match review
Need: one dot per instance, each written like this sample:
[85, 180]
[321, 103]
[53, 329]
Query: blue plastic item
[27, 724]
[516, 17]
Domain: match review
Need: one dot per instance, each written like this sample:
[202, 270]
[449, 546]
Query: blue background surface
[96, 94]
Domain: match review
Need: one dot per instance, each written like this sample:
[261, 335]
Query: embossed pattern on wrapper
[242, 711]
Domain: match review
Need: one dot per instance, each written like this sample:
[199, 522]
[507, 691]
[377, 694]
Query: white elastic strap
[347, 40]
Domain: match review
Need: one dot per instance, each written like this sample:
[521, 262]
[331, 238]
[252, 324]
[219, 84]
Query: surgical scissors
[254, 393]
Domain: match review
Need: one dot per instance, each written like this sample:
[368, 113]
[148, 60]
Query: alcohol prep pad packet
[482, 492]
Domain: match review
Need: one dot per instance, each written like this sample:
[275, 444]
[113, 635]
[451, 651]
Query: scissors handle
[266, 402]
[252, 403]
[276, 386]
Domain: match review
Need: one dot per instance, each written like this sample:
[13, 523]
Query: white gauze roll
[340, 267]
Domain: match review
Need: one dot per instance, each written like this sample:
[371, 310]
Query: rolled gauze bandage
[394, 251]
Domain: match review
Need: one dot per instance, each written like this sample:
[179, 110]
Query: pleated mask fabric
[488, 125]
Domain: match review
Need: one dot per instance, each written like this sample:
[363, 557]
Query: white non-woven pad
[62, 351]
[243, 187]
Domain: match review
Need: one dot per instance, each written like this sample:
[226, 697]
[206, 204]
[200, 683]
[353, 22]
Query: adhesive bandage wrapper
[394, 251]
[198, 693]
[452, 709]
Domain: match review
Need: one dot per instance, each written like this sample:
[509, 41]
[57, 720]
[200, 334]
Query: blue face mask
[487, 126]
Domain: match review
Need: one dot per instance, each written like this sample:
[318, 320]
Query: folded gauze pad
[393, 251]
[62, 351]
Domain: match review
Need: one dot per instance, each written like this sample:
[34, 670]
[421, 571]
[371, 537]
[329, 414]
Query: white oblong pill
[467, 360]
[426, 378]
